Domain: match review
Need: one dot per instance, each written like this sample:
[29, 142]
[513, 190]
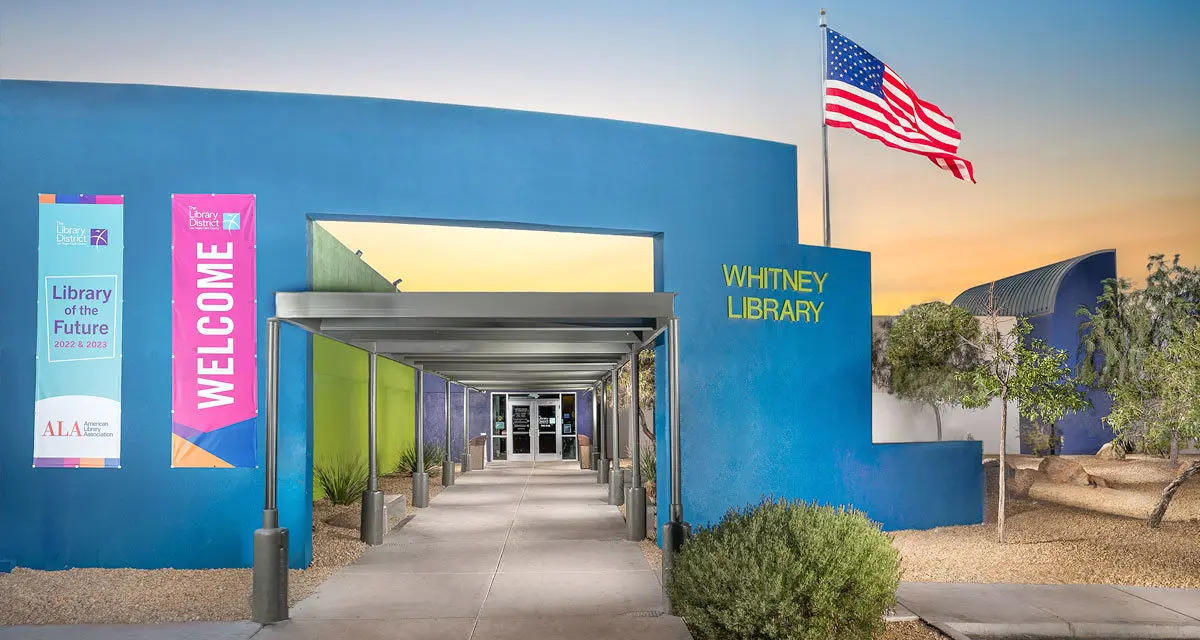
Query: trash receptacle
[585, 452]
[478, 452]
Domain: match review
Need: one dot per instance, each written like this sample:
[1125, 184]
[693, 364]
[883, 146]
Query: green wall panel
[340, 373]
[340, 406]
[336, 268]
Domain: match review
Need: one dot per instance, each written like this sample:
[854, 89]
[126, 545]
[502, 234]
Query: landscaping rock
[1059, 469]
[1021, 482]
[1111, 451]
[1099, 482]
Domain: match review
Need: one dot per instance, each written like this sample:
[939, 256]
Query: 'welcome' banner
[77, 410]
[213, 331]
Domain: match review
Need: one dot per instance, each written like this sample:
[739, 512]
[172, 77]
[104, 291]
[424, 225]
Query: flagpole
[824, 126]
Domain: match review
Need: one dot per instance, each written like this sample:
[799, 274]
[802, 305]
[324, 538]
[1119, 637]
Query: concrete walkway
[514, 551]
[985, 611]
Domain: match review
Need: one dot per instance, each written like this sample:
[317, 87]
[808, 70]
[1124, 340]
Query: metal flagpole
[824, 126]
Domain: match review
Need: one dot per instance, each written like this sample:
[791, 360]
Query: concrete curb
[395, 506]
[1095, 631]
[900, 613]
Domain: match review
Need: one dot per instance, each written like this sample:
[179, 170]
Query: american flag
[864, 94]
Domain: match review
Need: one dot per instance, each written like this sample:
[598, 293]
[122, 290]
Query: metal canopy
[486, 341]
[489, 341]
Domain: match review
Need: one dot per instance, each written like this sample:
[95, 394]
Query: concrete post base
[595, 461]
[421, 490]
[447, 473]
[466, 461]
[602, 476]
[269, 591]
[673, 536]
[616, 486]
[372, 523]
[635, 513]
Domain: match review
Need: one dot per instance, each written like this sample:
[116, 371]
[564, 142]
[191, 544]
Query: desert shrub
[407, 463]
[649, 463]
[786, 570]
[344, 479]
[1042, 441]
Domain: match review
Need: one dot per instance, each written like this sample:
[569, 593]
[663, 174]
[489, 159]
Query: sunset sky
[1080, 115]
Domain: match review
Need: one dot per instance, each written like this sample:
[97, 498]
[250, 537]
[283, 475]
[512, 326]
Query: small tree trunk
[1174, 446]
[1003, 464]
[1169, 492]
[647, 422]
[937, 415]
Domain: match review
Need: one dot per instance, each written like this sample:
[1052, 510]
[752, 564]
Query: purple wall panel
[583, 408]
[435, 415]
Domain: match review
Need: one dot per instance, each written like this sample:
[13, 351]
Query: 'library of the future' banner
[213, 331]
[77, 410]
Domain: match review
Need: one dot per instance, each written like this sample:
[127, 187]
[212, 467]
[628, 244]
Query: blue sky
[1080, 116]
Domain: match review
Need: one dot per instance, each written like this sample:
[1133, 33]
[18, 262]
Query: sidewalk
[513, 552]
[517, 551]
[987, 611]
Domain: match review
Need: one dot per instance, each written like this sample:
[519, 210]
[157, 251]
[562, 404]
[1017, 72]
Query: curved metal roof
[1027, 294]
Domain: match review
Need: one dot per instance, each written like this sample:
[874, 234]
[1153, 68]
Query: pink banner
[214, 320]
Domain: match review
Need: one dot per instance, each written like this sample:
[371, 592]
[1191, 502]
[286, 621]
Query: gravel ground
[139, 596]
[653, 554]
[1052, 543]
[910, 631]
[396, 484]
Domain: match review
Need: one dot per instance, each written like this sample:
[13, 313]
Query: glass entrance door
[534, 429]
[549, 434]
[521, 436]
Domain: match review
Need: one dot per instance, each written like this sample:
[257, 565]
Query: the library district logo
[67, 236]
[213, 221]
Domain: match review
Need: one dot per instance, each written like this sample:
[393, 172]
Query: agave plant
[408, 459]
[344, 479]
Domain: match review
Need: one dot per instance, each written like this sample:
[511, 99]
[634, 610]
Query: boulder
[992, 466]
[1099, 482]
[1064, 470]
[1020, 483]
[1111, 451]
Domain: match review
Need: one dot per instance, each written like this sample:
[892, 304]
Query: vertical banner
[77, 408]
[214, 333]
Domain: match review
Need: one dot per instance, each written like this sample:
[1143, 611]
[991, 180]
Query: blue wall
[766, 407]
[787, 406]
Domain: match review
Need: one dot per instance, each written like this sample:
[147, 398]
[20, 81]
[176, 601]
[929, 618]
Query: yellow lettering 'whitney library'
[774, 279]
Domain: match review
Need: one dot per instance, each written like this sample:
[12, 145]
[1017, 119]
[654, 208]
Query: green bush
[785, 569]
[408, 459]
[343, 480]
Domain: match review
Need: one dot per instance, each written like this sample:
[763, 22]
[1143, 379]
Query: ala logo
[63, 430]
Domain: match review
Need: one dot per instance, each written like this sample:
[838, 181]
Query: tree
[1021, 369]
[1173, 375]
[925, 351]
[646, 391]
[1122, 332]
